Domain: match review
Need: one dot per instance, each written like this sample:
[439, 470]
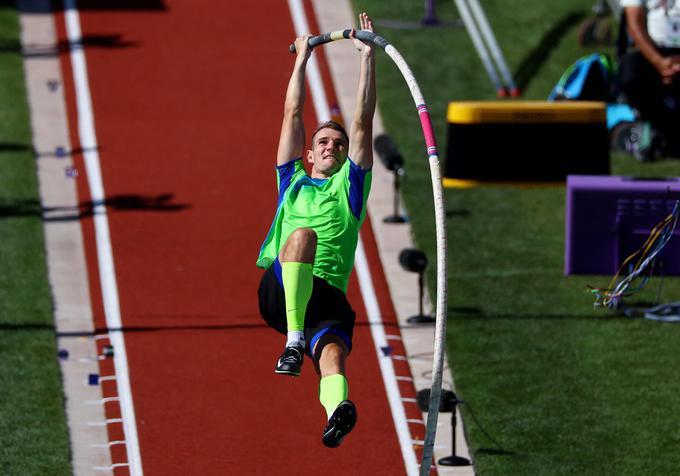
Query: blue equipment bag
[592, 78]
[588, 79]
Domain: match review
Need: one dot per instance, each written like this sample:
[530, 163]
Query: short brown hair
[331, 125]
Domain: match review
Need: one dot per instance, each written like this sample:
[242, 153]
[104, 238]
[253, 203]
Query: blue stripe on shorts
[333, 330]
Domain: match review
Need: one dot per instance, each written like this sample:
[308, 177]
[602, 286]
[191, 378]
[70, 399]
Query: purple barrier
[609, 218]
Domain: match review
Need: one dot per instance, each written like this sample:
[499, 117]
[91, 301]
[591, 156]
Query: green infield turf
[560, 388]
[33, 433]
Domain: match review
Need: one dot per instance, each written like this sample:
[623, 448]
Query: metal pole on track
[440, 222]
[491, 42]
[478, 43]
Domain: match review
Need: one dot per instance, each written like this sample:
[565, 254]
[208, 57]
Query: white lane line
[386, 366]
[110, 421]
[361, 265]
[107, 274]
[102, 401]
[108, 445]
[89, 360]
[110, 468]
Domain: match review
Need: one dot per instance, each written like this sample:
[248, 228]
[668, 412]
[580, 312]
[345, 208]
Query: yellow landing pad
[523, 112]
[461, 184]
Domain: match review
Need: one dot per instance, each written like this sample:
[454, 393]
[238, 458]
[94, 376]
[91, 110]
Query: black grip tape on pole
[362, 35]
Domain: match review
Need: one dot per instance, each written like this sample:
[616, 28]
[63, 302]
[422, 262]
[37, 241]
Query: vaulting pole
[440, 222]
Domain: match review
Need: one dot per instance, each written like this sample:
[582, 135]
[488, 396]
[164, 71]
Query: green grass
[33, 433]
[563, 388]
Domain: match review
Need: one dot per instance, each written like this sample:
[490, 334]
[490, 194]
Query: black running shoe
[340, 424]
[290, 362]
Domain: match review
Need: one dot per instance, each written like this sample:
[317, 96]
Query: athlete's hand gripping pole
[430, 142]
[363, 35]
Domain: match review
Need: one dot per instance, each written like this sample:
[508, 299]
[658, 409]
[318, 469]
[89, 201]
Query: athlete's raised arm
[292, 138]
[361, 130]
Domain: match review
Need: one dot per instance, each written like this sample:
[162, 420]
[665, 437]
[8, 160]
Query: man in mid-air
[308, 253]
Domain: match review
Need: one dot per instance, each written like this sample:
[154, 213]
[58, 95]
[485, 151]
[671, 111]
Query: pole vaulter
[437, 191]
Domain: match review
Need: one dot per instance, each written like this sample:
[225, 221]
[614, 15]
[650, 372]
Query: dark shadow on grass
[13, 147]
[29, 326]
[538, 56]
[460, 212]
[9, 45]
[494, 452]
[473, 313]
[465, 310]
[153, 203]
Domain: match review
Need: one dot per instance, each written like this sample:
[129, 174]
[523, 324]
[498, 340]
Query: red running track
[187, 103]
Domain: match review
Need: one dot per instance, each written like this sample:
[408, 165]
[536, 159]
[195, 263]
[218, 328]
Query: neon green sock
[297, 287]
[333, 389]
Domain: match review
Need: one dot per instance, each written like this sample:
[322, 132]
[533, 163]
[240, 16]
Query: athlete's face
[328, 153]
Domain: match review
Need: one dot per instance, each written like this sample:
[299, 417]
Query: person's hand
[302, 47]
[365, 23]
[668, 68]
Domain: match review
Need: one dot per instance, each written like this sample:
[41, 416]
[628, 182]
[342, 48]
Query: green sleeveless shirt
[334, 208]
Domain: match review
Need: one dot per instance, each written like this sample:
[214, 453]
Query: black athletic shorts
[328, 311]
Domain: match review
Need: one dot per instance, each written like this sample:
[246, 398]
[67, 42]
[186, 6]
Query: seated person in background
[650, 75]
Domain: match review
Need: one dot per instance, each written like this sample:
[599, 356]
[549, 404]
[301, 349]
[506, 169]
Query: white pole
[471, 28]
[491, 42]
[440, 223]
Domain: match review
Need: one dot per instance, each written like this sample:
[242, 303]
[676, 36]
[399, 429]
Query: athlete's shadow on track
[43, 6]
[124, 202]
[114, 41]
[110, 41]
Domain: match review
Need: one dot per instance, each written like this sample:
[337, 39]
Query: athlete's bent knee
[300, 246]
[303, 237]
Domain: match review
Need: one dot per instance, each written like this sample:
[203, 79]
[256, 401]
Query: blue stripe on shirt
[357, 178]
[286, 172]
